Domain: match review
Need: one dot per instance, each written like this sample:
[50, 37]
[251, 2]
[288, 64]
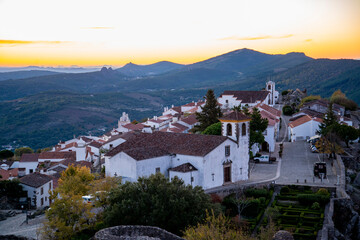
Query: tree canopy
[257, 126]
[20, 151]
[213, 129]
[340, 98]
[6, 154]
[69, 214]
[210, 112]
[156, 201]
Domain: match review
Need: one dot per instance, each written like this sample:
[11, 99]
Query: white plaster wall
[122, 129]
[144, 168]
[270, 137]
[31, 191]
[80, 153]
[304, 131]
[186, 177]
[28, 166]
[170, 111]
[196, 161]
[51, 159]
[114, 143]
[215, 159]
[95, 150]
[232, 102]
[121, 164]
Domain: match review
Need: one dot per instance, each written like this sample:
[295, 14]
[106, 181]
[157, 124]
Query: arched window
[269, 87]
[243, 129]
[228, 129]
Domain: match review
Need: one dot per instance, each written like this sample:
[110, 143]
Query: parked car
[262, 159]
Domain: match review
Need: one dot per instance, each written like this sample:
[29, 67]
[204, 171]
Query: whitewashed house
[303, 128]
[37, 186]
[28, 163]
[216, 160]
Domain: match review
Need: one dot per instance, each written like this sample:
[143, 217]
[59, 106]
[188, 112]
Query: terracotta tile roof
[302, 120]
[247, 96]
[235, 116]
[177, 109]
[35, 179]
[323, 102]
[156, 121]
[58, 155]
[191, 119]
[310, 112]
[6, 174]
[147, 145]
[68, 162]
[86, 139]
[179, 126]
[186, 167]
[96, 144]
[134, 127]
[271, 110]
[30, 157]
[269, 117]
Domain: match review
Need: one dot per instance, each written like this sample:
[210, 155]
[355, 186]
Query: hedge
[309, 199]
[256, 193]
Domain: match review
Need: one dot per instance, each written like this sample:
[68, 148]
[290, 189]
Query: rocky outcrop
[134, 232]
[346, 220]
[283, 235]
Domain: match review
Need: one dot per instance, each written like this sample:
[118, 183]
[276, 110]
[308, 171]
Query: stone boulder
[346, 219]
[135, 233]
[283, 235]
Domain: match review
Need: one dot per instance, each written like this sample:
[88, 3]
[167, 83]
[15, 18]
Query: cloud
[22, 42]
[308, 40]
[256, 37]
[98, 28]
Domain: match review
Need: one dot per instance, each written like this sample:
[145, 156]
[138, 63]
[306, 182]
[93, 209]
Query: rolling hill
[24, 74]
[134, 70]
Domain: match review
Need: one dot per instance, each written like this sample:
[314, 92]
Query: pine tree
[257, 126]
[210, 112]
[330, 120]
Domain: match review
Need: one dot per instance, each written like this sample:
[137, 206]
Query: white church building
[230, 99]
[200, 160]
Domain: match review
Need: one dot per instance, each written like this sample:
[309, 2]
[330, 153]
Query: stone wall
[134, 232]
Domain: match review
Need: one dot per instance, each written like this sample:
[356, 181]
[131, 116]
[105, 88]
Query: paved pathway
[16, 226]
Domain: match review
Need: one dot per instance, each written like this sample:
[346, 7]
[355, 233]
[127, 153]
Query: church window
[227, 151]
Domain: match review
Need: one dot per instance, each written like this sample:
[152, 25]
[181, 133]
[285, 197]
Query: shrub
[315, 206]
[230, 204]
[285, 92]
[287, 110]
[323, 191]
[284, 190]
[262, 200]
[215, 198]
[309, 199]
[252, 209]
[256, 193]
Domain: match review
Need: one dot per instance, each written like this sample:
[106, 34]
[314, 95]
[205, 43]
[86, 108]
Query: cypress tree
[210, 112]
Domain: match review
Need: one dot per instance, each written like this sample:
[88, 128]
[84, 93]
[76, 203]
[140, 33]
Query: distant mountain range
[37, 107]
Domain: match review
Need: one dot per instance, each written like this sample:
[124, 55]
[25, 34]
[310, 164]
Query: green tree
[309, 99]
[347, 133]
[287, 110]
[329, 121]
[20, 151]
[11, 189]
[340, 98]
[257, 126]
[214, 129]
[210, 113]
[68, 214]
[5, 154]
[156, 201]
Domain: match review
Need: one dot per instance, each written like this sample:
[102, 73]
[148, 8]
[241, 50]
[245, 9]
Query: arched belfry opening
[229, 129]
[243, 129]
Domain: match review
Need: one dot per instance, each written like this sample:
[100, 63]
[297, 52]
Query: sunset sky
[96, 33]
